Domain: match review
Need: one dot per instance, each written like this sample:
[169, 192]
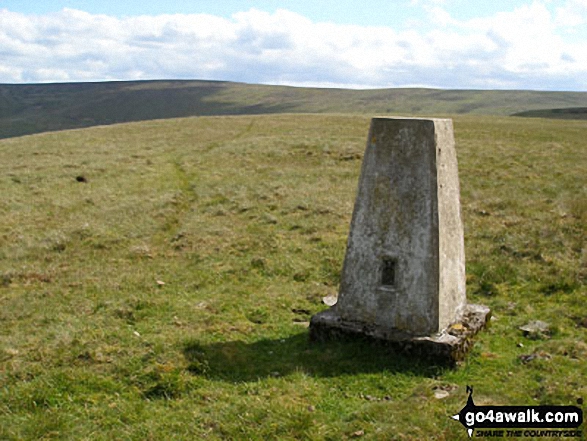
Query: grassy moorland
[168, 295]
[34, 108]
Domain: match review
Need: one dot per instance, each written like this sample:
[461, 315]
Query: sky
[448, 44]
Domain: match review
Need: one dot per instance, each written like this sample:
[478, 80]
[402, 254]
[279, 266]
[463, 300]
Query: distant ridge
[33, 108]
[569, 113]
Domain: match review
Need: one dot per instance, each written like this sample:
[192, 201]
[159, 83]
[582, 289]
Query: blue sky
[521, 44]
[365, 12]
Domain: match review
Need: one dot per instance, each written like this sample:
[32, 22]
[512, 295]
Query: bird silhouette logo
[469, 407]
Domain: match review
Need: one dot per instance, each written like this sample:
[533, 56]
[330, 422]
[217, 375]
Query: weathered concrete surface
[407, 211]
[445, 348]
[451, 241]
[404, 270]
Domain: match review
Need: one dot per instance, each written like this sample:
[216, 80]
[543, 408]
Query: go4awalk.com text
[520, 421]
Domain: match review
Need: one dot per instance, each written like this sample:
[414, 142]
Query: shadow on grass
[238, 361]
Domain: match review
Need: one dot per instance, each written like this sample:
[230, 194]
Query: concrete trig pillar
[403, 276]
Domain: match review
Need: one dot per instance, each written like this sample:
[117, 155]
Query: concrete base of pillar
[447, 347]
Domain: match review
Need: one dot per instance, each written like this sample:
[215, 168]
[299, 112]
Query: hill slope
[567, 113]
[34, 108]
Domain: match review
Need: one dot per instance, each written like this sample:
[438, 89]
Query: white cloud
[528, 41]
[573, 13]
[523, 48]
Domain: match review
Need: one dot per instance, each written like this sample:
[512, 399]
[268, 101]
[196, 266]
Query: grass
[168, 296]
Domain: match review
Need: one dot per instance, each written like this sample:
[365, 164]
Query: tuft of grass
[168, 295]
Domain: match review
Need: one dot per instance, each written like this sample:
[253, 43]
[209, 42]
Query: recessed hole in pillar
[388, 271]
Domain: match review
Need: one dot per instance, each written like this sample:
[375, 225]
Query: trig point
[403, 277]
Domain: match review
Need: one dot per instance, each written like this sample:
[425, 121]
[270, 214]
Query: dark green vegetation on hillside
[27, 109]
[167, 297]
[570, 113]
